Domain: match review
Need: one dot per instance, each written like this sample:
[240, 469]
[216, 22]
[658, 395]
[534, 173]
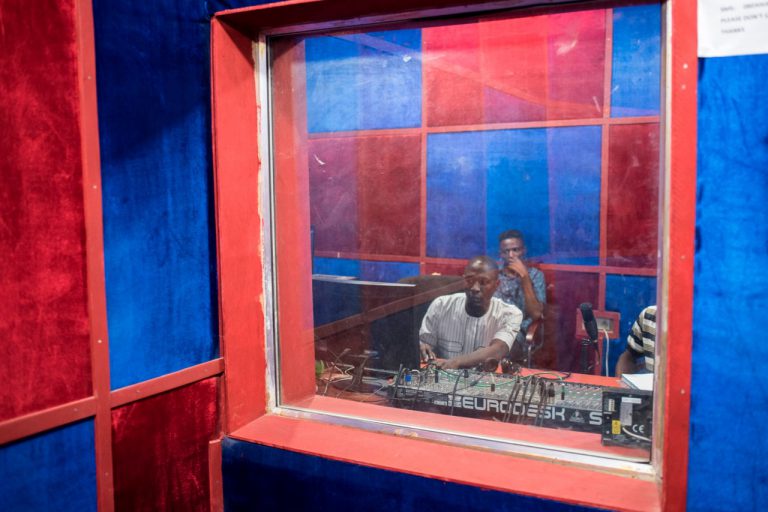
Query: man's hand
[447, 364]
[427, 354]
[517, 266]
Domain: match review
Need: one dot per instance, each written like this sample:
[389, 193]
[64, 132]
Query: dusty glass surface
[467, 216]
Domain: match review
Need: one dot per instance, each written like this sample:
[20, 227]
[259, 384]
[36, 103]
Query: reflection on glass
[482, 198]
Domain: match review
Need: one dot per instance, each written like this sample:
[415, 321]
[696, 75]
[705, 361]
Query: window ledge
[493, 471]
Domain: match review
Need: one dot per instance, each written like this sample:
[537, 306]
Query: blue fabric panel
[574, 185]
[728, 448]
[336, 267]
[388, 271]
[456, 169]
[215, 6]
[55, 470]
[332, 102]
[635, 82]
[259, 477]
[628, 295]
[334, 300]
[154, 125]
[364, 81]
[385, 271]
[518, 188]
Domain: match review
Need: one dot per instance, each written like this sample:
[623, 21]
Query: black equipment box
[627, 417]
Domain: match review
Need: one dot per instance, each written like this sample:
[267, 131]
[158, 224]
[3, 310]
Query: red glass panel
[633, 196]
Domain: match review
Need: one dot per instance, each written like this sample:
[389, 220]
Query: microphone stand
[584, 365]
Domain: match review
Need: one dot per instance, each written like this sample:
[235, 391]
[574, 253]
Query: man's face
[479, 284]
[511, 249]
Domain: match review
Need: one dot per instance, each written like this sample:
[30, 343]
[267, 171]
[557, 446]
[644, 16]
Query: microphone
[590, 324]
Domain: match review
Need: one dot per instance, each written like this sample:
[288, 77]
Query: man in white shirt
[467, 329]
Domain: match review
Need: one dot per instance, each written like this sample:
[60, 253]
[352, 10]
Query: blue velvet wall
[627, 295]
[154, 122]
[294, 481]
[55, 470]
[340, 93]
[728, 468]
[636, 61]
[152, 62]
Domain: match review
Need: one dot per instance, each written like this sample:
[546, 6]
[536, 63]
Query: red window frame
[242, 256]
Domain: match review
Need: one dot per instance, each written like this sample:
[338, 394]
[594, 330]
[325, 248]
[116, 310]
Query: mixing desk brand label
[549, 412]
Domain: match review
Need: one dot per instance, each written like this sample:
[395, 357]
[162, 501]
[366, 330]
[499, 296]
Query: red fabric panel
[333, 193]
[45, 349]
[633, 195]
[565, 291]
[521, 69]
[515, 68]
[160, 449]
[446, 269]
[451, 70]
[365, 194]
[576, 60]
[389, 192]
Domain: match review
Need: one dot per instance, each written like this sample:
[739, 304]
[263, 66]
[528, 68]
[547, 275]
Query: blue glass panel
[55, 470]
[388, 271]
[332, 102]
[574, 186]
[336, 267]
[636, 82]
[517, 188]
[333, 300]
[154, 126]
[628, 295]
[456, 168]
[364, 81]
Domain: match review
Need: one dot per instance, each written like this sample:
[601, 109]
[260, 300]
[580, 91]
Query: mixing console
[544, 399]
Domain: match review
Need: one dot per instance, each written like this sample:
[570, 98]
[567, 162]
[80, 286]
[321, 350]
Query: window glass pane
[454, 199]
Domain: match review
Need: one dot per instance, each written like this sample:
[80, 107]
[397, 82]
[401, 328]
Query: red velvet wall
[45, 350]
[160, 449]
[549, 80]
[365, 194]
[633, 195]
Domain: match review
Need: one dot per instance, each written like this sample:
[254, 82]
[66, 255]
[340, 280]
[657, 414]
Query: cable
[334, 364]
[512, 396]
[534, 382]
[455, 387]
[418, 388]
[397, 382]
[542, 402]
[607, 354]
[630, 434]
[522, 400]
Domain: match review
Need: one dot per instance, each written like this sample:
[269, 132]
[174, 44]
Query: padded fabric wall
[627, 295]
[263, 478]
[341, 95]
[728, 469]
[45, 349]
[154, 122]
[444, 186]
[160, 450]
[55, 470]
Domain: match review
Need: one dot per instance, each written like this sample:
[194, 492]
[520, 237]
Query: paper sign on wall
[733, 27]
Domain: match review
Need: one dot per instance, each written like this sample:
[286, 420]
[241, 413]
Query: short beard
[475, 310]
